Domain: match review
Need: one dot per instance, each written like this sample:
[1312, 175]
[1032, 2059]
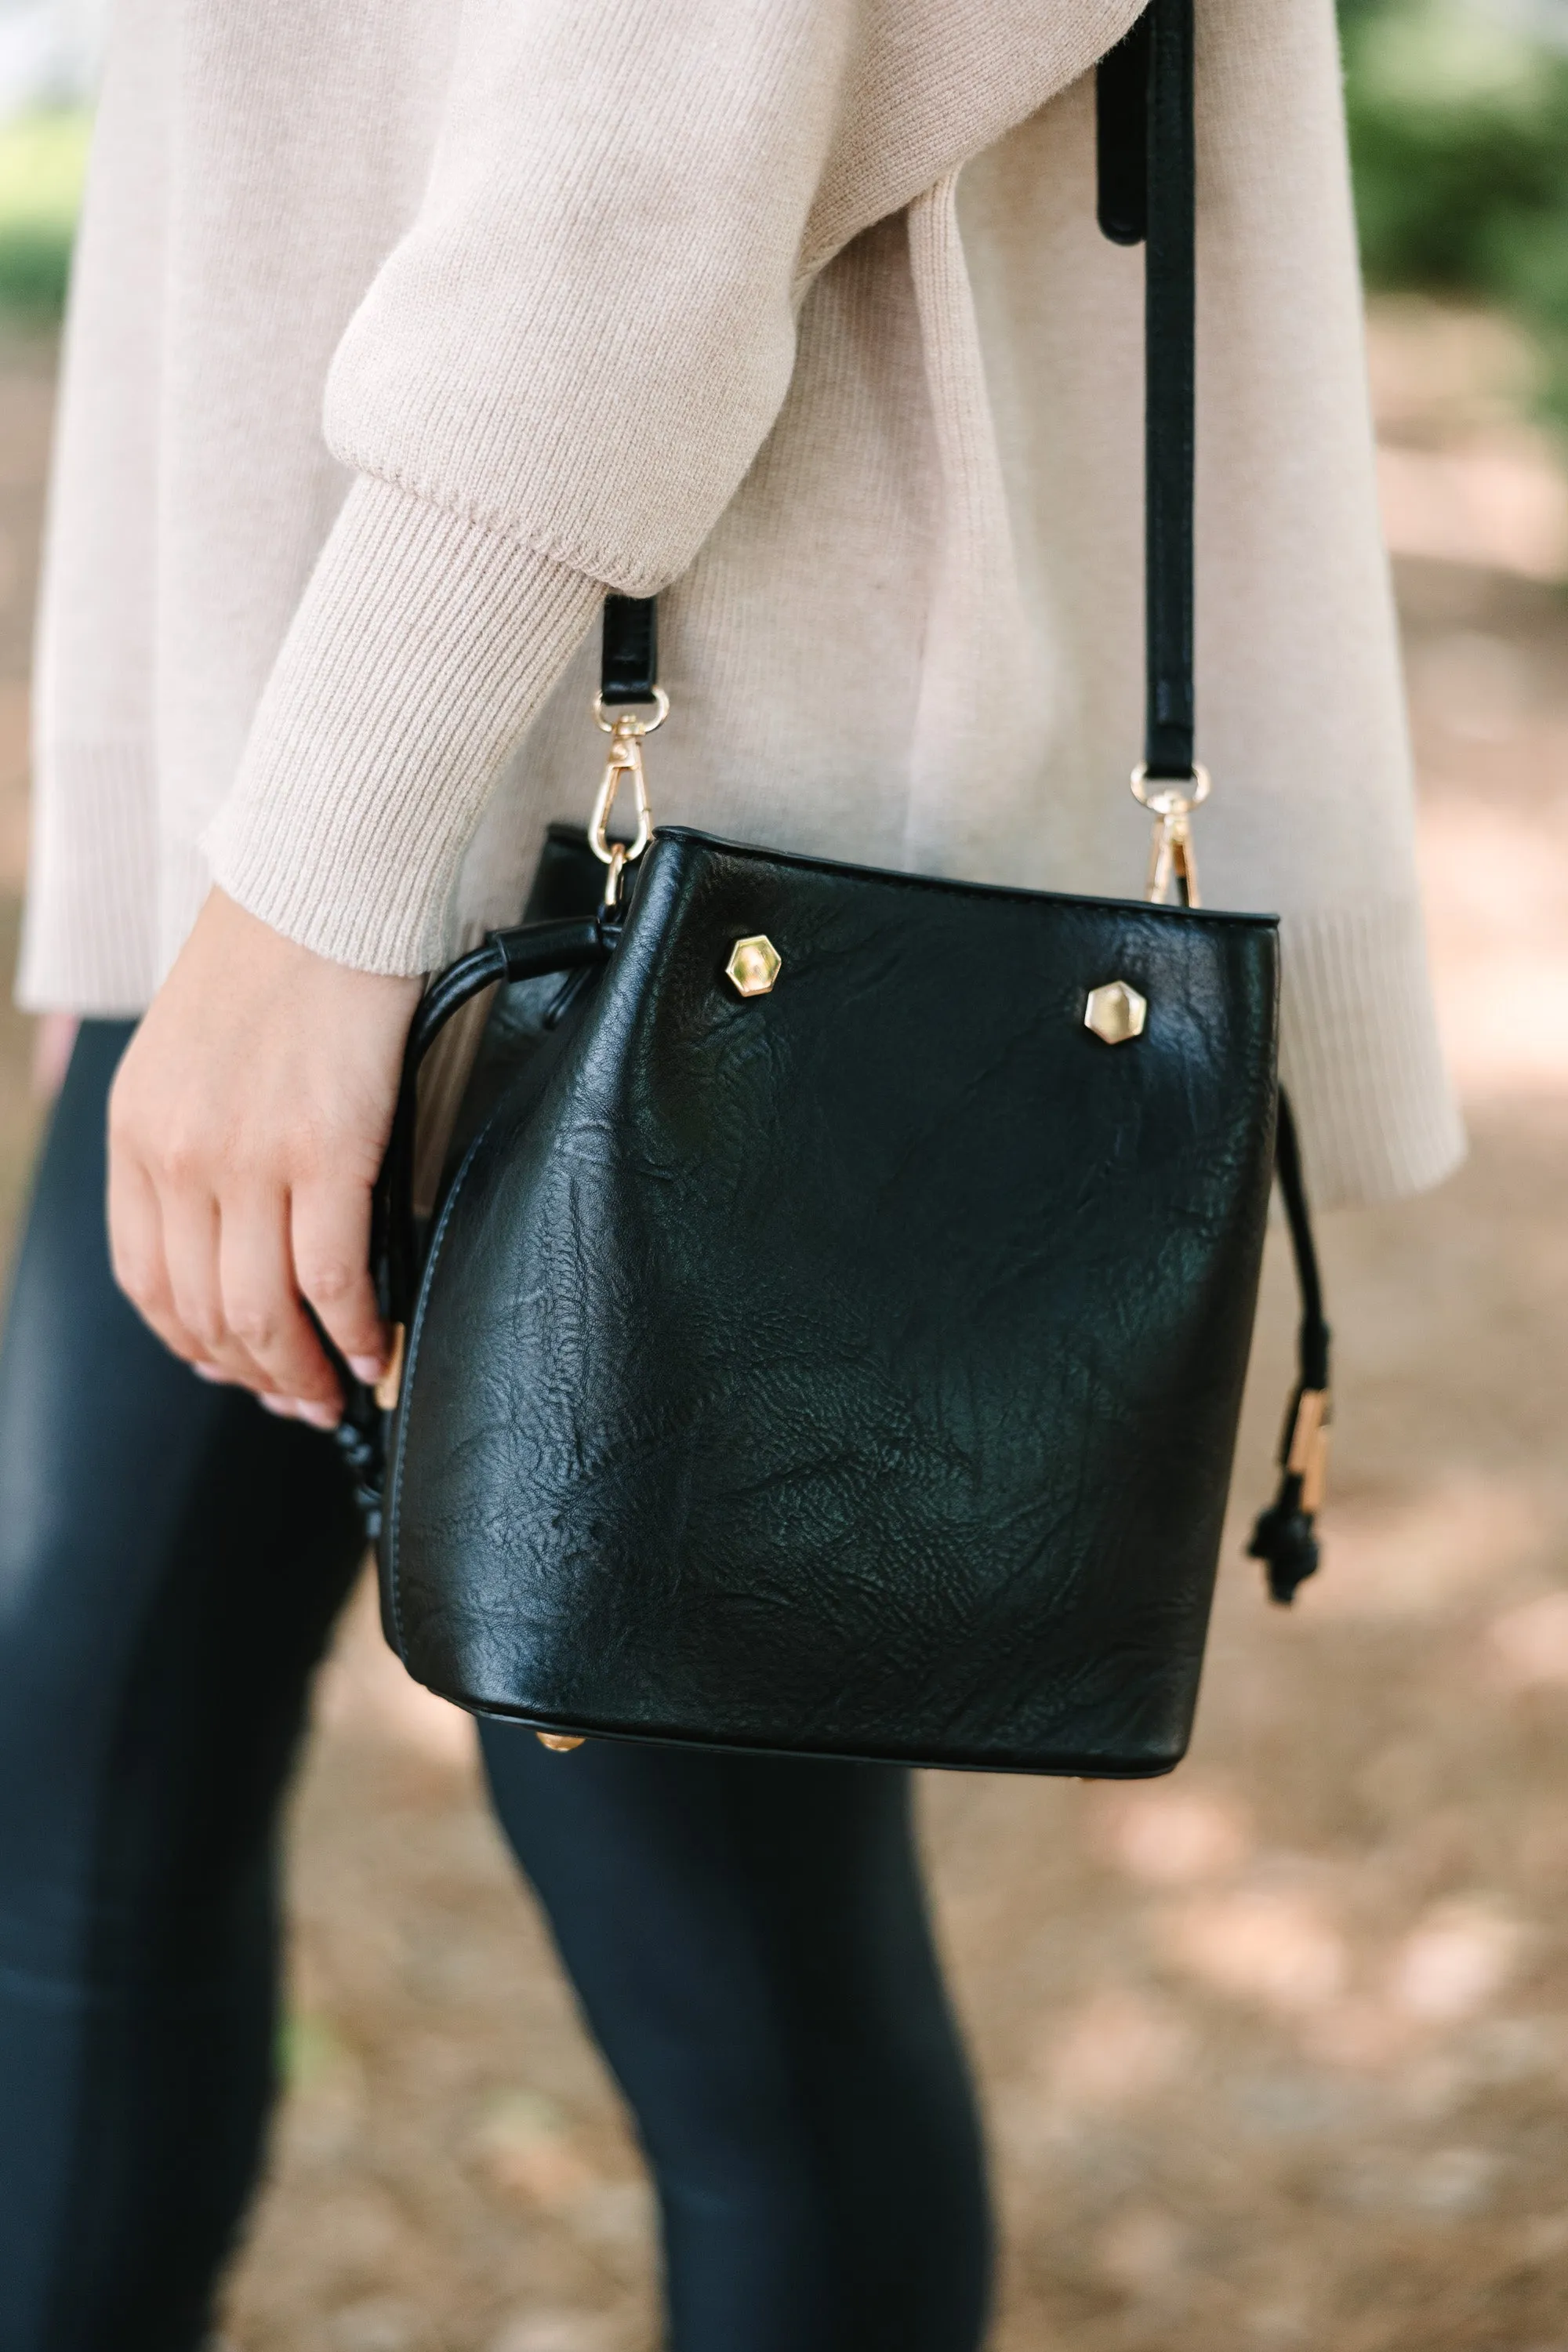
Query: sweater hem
[1361, 1058]
[89, 928]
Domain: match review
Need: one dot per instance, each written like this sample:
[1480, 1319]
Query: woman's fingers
[222, 1281]
[260, 1305]
[330, 1234]
[214, 1279]
[136, 1253]
[190, 1223]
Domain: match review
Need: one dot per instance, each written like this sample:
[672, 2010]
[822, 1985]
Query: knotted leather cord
[1284, 1537]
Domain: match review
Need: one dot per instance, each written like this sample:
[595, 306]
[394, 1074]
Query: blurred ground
[1275, 2053]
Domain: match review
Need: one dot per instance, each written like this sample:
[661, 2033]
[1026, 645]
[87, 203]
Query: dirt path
[1275, 2053]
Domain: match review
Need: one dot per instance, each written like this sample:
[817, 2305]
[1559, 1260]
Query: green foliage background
[1458, 129]
[43, 159]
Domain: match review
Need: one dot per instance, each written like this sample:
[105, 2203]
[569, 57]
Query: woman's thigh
[170, 1559]
[749, 1938]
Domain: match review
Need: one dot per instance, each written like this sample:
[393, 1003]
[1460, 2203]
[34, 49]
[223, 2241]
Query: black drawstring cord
[1285, 1537]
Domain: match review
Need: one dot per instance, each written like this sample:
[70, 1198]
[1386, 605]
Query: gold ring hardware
[626, 717]
[1173, 865]
[626, 732]
[560, 1743]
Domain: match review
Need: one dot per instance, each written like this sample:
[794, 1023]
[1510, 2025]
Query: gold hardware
[560, 1743]
[626, 732]
[1307, 1457]
[391, 1381]
[1116, 1012]
[609, 726]
[755, 965]
[1173, 865]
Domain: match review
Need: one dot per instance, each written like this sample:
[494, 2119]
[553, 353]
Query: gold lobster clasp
[1172, 865]
[626, 730]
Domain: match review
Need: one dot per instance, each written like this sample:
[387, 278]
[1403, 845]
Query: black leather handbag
[831, 1335]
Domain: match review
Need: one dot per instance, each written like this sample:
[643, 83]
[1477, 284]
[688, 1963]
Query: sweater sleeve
[555, 382]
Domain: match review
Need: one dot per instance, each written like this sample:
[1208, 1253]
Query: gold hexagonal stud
[1115, 1011]
[755, 965]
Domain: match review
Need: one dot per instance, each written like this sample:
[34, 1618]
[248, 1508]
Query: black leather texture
[854, 1369]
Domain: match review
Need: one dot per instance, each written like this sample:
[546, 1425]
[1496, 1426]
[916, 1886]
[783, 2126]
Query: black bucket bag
[831, 1335]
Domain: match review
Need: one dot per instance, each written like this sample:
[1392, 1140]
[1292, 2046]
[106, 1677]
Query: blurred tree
[1458, 122]
[43, 158]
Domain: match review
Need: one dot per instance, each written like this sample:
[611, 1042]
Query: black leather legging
[747, 1936]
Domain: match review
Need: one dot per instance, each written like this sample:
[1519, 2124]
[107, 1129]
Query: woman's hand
[246, 1129]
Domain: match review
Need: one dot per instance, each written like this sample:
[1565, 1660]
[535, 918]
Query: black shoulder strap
[1146, 174]
[1146, 190]
[1144, 93]
[629, 666]
[1121, 137]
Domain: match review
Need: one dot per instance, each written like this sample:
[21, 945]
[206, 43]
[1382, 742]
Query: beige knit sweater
[797, 305]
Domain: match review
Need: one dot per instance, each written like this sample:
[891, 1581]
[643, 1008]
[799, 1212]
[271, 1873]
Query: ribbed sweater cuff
[421, 649]
[1360, 1055]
